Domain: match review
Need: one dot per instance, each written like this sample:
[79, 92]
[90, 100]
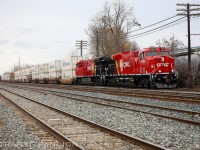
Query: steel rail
[95, 101]
[126, 137]
[118, 101]
[130, 109]
[141, 93]
[133, 92]
[59, 136]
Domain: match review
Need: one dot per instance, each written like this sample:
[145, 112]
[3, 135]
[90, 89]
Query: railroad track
[81, 133]
[47, 140]
[160, 111]
[164, 95]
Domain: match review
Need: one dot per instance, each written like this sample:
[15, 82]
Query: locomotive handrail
[176, 73]
[154, 70]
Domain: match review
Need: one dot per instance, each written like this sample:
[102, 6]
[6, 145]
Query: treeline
[186, 77]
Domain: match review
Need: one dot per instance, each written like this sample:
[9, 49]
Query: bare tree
[172, 43]
[17, 68]
[134, 45]
[194, 72]
[6, 72]
[187, 78]
[109, 28]
[129, 45]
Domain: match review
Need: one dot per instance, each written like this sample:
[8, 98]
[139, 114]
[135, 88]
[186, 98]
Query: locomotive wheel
[98, 82]
[146, 83]
[139, 83]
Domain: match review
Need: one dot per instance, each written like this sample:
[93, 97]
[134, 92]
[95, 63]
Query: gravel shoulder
[193, 89]
[166, 132]
[14, 133]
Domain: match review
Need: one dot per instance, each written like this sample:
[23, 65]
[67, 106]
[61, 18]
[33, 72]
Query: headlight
[172, 70]
[151, 66]
[159, 71]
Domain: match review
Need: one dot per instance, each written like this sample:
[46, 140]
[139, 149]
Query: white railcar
[36, 72]
[55, 69]
[58, 68]
[52, 72]
[51, 67]
[41, 71]
[28, 74]
[5, 77]
[16, 75]
[22, 76]
[68, 69]
[33, 73]
[46, 71]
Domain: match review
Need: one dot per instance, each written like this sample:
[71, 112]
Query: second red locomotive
[143, 68]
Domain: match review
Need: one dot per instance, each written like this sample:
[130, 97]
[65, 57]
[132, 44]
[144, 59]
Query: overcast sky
[44, 30]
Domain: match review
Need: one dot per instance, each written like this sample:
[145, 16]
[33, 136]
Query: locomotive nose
[165, 64]
[161, 59]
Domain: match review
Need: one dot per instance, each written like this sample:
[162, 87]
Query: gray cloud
[4, 41]
[57, 41]
[29, 44]
[15, 53]
[44, 47]
[25, 30]
[24, 44]
[2, 52]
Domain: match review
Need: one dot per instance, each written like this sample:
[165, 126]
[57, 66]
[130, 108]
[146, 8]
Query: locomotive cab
[84, 72]
[160, 66]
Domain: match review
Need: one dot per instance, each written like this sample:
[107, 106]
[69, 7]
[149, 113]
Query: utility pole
[187, 12]
[189, 41]
[81, 45]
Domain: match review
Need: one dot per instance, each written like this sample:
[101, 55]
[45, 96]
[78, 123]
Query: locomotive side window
[79, 65]
[164, 53]
[141, 55]
[151, 53]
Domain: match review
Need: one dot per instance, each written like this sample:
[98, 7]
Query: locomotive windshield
[164, 53]
[152, 53]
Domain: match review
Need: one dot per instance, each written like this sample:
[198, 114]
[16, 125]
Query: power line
[160, 29]
[187, 12]
[170, 24]
[165, 27]
[153, 24]
[195, 34]
[153, 30]
[126, 36]
[156, 28]
[81, 45]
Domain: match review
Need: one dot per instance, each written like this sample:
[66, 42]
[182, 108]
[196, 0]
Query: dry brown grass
[1, 123]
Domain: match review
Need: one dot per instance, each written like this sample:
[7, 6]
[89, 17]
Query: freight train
[145, 68]
[150, 67]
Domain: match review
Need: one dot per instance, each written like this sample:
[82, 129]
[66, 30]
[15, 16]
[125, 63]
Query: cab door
[142, 63]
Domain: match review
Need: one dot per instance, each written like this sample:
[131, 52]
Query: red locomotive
[144, 68]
